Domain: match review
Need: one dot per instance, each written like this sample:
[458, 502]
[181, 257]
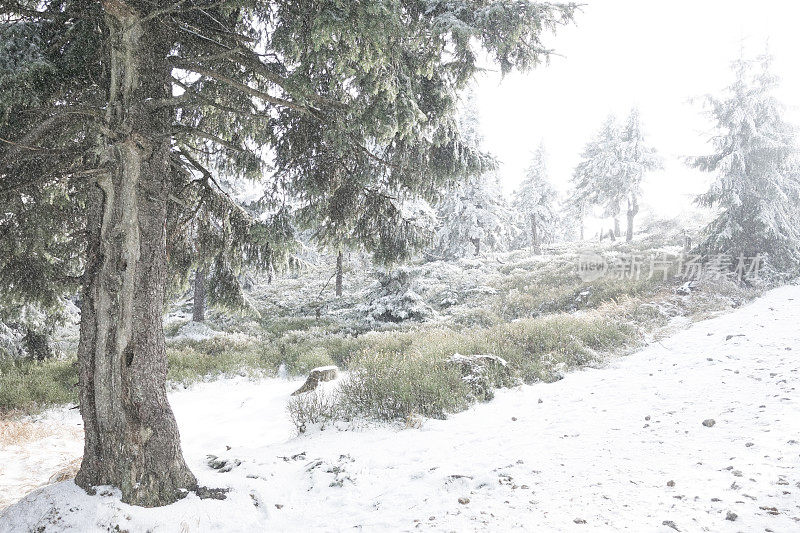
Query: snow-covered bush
[395, 301]
[482, 374]
[315, 407]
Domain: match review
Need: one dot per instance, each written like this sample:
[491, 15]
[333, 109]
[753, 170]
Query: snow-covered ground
[618, 448]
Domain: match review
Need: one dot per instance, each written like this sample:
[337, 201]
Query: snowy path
[621, 448]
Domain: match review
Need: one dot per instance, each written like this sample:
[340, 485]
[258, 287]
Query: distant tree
[635, 158]
[473, 216]
[535, 201]
[756, 190]
[574, 209]
[594, 180]
[611, 170]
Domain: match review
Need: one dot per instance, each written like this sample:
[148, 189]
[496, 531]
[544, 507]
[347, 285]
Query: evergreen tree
[635, 159]
[574, 210]
[611, 170]
[474, 213]
[473, 216]
[594, 180]
[117, 117]
[535, 201]
[756, 189]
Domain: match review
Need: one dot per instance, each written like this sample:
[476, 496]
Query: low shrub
[391, 387]
[314, 407]
[29, 386]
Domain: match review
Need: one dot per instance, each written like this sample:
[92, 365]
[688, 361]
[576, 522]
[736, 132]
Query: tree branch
[241, 87]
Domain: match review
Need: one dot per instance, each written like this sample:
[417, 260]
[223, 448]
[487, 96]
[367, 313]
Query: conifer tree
[535, 200]
[611, 170]
[595, 177]
[472, 217]
[756, 189]
[472, 214]
[118, 116]
[635, 158]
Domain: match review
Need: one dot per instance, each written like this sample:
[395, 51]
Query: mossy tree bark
[131, 437]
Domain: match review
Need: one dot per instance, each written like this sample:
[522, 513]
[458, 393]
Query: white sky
[621, 53]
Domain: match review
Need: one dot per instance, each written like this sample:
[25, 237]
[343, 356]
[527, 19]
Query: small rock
[278, 506]
[513, 418]
[463, 500]
[748, 444]
[208, 493]
[670, 523]
[647, 417]
[731, 516]
[540, 401]
[709, 422]
[579, 521]
[222, 465]
[670, 483]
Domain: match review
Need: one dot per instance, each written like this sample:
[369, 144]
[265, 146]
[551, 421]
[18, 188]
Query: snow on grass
[195, 331]
[32, 449]
[622, 448]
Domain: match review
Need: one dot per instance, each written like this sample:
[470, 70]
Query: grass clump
[404, 375]
[197, 360]
[390, 387]
[29, 386]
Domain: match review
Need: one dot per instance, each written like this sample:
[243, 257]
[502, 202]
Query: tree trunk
[476, 242]
[537, 248]
[199, 301]
[617, 231]
[131, 437]
[580, 221]
[339, 273]
[633, 209]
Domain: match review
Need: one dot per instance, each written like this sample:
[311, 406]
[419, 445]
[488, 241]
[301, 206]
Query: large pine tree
[756, 189]
[113, 112]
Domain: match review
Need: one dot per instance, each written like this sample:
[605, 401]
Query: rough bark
[131, 437]
[339, 273]
[199, 300]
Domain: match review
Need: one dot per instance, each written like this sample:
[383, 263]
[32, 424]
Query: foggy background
[624, 53]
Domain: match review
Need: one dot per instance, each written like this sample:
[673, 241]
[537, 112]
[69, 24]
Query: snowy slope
[621, 448]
